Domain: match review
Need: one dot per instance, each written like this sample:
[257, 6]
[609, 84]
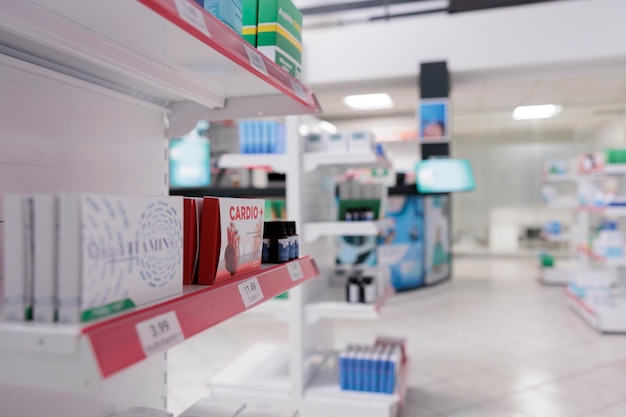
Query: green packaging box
[279, 34]
[250, 20]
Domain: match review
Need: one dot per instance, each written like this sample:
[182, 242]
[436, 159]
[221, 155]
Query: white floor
[492, 342]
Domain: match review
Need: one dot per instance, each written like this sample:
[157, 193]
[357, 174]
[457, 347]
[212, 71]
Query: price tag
[159, 333]
[295, 271]
[297, 88]
[192, 15]
[250, 291]
[256, 60]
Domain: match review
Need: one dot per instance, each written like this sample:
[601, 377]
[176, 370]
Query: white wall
[508, 168]
[549, 34]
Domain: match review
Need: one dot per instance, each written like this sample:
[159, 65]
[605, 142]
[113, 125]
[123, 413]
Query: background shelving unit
[604, 309]
[109, 83]
[301, 376]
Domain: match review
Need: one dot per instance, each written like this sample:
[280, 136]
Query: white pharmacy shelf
[607, 170]
[271, 162]
[609, 211]
[262, 371]
[614, 262]
[88, 355]
[314, 160]
[561, 205]
[556, 276]
[331, 304]
[170, 53]
[608, 319]
[561, 178]
[327, 398]
[556, 238]
[315, 230]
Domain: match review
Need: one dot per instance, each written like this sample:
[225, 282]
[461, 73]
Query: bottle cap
[274, 229]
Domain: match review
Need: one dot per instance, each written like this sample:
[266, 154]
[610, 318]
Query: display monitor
[190, 159]
[444, 175]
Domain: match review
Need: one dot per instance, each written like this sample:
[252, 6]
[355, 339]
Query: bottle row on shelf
[372, 368]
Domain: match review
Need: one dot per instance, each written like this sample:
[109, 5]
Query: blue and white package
[401, 248]
[344, 357]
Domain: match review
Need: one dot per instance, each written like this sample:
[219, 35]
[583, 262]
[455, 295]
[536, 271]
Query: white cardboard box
[45, 257]
[18, 257]
[336, 143]
[360, 141]
[117, 252]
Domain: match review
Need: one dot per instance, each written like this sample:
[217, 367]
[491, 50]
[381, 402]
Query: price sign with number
[295, 271]
[159, 333]
[297, 88]
[192, 15]
[251, 292]
[256, 60]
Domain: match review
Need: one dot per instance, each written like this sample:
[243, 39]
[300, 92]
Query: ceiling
[485, 101]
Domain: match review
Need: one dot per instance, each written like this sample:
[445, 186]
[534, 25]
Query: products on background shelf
[609, 243]
[262, 137]
[279, 34]
[615, 156]
[91, 255]
[361, 288]
[595, 286]
[280, 242]
[228, 11]
[231, 238]
[555, 167]
[357, 142]
[375, 368]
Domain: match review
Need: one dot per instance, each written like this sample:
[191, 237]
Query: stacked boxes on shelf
[374, 368]
[279, 35]
[228, 11]
[262, 137]
[357, 141]
[80, 257]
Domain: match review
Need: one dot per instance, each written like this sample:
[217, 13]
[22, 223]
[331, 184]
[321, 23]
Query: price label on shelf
[250, 291]
[295, 271]
[256, 60]
[297, 88]
[159, 333]
[192, 15]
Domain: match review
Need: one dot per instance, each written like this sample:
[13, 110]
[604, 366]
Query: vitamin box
[117, 252]
[18, 247]
[231, 238]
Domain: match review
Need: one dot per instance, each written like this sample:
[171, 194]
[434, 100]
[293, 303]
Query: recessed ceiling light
[543, 111]
[369, 101]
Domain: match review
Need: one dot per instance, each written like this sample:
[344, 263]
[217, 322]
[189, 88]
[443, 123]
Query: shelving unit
[605, 316]
[315, 160]
[324, 392]
[315, 230]
[109, 83]
[331, 304]
[271, 162]
[295, 375]
[606, 319]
